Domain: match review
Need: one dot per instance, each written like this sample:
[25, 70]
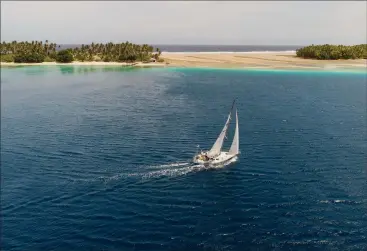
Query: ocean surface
[216, 48]
[98, 158]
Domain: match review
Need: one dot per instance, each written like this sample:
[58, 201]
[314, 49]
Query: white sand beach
[274, 60]
[240, 60]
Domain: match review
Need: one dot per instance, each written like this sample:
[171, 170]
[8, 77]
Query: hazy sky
[188, 22]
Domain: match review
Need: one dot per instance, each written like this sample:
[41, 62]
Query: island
[37, 52]
[339, 57]
[312, 57]
[333, 52]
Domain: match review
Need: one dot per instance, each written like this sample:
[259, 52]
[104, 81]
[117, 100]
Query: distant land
[216, 56]
[259, 60]
[212, 48]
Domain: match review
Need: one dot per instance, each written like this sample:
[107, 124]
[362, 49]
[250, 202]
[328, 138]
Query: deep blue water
[96, 158]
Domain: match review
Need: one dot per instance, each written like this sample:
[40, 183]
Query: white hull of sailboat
[215, 156]
[222, 158]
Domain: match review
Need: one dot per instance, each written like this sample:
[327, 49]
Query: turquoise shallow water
[97, 158]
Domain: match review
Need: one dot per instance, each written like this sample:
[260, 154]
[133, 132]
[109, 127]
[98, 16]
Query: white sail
[217, 147]
[236, 140]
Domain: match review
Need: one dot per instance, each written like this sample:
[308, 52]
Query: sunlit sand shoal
[256, 60]
[271, 60]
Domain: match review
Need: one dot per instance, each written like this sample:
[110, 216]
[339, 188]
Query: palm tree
[125, 51]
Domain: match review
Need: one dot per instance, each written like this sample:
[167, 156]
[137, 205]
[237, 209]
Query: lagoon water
[98, 158]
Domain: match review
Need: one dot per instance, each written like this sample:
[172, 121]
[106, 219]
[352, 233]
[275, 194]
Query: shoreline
[285, 60]
[229, 52]
[77, 63]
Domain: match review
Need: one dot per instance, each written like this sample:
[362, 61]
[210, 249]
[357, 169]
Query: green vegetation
[29, 57]
[7, 58]
[110, 52]
[26, 52]
[333, 52]
[47, 59]
[64, 56]
[37, 51]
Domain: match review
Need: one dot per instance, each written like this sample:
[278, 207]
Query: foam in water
[165, 170]
[169, 165]
[183, 169]
[351, 202]
[172, 172]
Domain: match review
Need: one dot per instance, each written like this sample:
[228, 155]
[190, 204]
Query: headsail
[217, 147]
[236, 140]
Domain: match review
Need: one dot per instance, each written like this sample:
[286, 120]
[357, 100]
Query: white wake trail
[169, 165]
[157, 171]
[181, 169]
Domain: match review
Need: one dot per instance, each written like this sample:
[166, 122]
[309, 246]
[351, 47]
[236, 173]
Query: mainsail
[236, 142]
[217, 147]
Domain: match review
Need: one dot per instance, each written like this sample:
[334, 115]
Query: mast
[217, 147]
[236, 140]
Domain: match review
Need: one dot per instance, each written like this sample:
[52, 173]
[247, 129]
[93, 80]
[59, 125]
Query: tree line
[333, 52]
[38, 52]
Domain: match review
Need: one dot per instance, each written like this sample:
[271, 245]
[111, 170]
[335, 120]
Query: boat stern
[201, 159]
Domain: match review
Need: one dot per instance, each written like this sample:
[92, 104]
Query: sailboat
[215, 155]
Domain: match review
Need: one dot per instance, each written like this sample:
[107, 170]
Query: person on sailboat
[215, 155]
[203, 156]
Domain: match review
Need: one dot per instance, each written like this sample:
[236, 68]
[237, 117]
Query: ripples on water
[98, 158]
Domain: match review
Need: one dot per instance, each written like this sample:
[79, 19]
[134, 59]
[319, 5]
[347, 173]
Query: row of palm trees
[121, 52]
[15, 47]
[115, 52]
[333, 52]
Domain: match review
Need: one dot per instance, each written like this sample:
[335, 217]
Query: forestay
[235, 147]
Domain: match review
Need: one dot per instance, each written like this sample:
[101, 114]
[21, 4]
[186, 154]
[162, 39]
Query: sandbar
[237, 60]
[271, 60]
